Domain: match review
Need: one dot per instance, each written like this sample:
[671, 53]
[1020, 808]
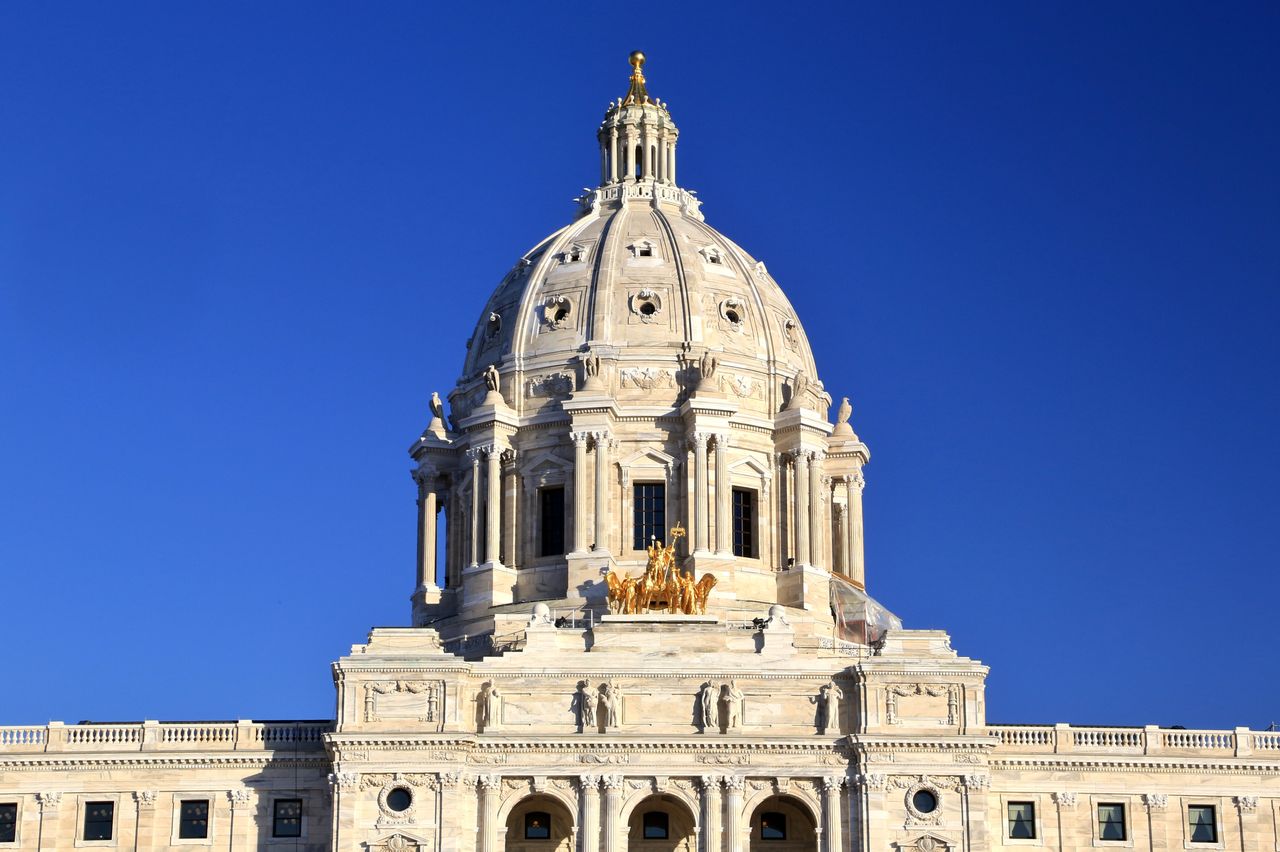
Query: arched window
[656, 826]
[638, 165]
[773, 826]
[537, 825]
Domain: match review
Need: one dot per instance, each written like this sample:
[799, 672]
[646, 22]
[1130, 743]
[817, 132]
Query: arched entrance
[539, 823]
[783, 824]
[661, 823]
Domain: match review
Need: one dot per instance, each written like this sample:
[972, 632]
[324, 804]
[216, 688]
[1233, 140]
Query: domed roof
[641, 280]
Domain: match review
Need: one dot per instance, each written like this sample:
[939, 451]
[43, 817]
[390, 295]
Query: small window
[1111, 822]
[287, 818]
[648, 308]
[399, 799]
[98, 819]
[1203, 823]
[733, 316]
[1022, 820]
[8, 822]
[773, 826]
[193, 819]
[925, 801]
[714, 257]
[537, 825]
[551, 521]
[650, 508]
[744, 523]
[656, 825]
[644, 250]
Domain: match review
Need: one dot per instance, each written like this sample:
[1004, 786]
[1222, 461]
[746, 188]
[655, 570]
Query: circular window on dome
[925, 801]
[648, 308]
[399, 799]
[646, 304]
[732, 316]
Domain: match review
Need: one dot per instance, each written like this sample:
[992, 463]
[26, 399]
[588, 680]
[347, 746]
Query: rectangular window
[98, 817]
[744, 523]
[193, 819]
[650, 514]
[1022, 820]
[1203, 822]
[8, 822]
[1111, 822]
[551, 522]
[287, 818]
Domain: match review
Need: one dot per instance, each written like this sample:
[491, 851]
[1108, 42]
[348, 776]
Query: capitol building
[641, 617]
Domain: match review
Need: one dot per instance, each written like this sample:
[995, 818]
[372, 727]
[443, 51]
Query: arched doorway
[661, 823]
[539, 823]
[783, 824]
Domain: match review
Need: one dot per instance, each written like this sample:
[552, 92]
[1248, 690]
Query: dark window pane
[1204, 827]
[650, 512]
[1022, 820]
[287, 820]
[773, 826]
[399, 799]
[655, 826]
[925, 802]
[193, 819]
[8, 822]
[1111, 822]
[551, 538]
[98, 817]
[537, 825]
[744, 523]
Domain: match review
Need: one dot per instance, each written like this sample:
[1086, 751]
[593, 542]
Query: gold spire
[637, 94]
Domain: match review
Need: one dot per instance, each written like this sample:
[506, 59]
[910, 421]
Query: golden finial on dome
[637, 94]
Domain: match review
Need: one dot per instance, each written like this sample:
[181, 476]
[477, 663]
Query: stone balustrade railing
[1057, 739]
[165, 736]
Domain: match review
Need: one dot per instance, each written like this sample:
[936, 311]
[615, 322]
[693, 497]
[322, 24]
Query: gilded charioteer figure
[663, 586]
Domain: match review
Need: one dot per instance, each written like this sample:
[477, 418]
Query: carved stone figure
[491, 378]
[706, 370]
[829, 696]
[611, 698]
[437, 407]
[842, 414]
[707, 707]
[731, 699]
[489, 703]
[588, 698]
[799, 386]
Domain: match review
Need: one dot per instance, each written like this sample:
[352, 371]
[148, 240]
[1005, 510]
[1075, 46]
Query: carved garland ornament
[432, 692]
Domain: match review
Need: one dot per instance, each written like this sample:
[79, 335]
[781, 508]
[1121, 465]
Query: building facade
[640, 618]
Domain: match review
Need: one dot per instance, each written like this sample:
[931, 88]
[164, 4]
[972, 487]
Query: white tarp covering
[859, 617]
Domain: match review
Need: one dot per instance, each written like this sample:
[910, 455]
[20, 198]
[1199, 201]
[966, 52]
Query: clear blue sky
[240, 244]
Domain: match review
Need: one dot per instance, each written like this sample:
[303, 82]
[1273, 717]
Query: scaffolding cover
[859, 617]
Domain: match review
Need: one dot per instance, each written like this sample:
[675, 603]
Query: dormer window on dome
[642, 248]
[712, 255]
[573, 254]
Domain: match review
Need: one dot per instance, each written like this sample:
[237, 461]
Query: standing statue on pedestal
[731, 699]
[611, 696]
[488, 707]
[588, 698]
[829, 696]
[707, 707]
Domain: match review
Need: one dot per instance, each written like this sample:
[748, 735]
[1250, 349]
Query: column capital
[734, 783]
[579, 437]
[454, 779]
[856, 480]
[589, 783]
[799, 455]
[489, 782]
[700, 437]
[509, 456]
[49, 801]
[424, 475]
[1155, 801]
[344, 780]
[711, 782]
[612, 782]
[832, 783]
[1246, 804]
[146, 799]
[240, 799]
[1065, 800]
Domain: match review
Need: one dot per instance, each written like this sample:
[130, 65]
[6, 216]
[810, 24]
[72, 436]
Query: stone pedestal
[486, 585]
[805, 586]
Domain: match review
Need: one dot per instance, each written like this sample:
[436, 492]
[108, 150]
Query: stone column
[49, 809]
[493, 507]
[699, 492]
[724, 537]
[344, 787]
[242, 832]
[710, 840]
[612, 811]
[602, 492]
[831, 829]
[579, 544]
[802, 507]
[490, 789]
[816, 533]
[474, 455]
[1251, 835]
[648, 155]
[509, 554]
[144, 828]
[733, 840]
[854, 565]
[455, 813]
[427, 510]
[1156, 805]
[613, 155]
[589, 819]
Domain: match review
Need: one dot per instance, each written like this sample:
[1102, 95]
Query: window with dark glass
[551, 522]
[773, 826]
[98, 817]
[537, 825]
[193, 818]
[399, 799]
[650, 513]
[925, 801]
[287, 818]
[8, 822]
[744, 523]
[1022, 820]
[655, 825]
[1111, 822]
[1203, 822]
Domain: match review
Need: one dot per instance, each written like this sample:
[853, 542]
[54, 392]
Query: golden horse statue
[662, 586]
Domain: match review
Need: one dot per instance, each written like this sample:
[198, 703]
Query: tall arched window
[638, 165]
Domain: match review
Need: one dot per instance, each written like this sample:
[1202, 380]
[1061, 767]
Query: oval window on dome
[399, 799]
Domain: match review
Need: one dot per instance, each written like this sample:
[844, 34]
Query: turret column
[700, 501]
[801, 463]
[855, 565]
[613, 156]
[427, 511]
[579, 544]
[473, 558]
[602, 492]
[493, 506]
[816, 526]
[724, 539]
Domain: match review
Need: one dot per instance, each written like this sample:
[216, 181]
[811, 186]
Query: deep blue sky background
[240, 244]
